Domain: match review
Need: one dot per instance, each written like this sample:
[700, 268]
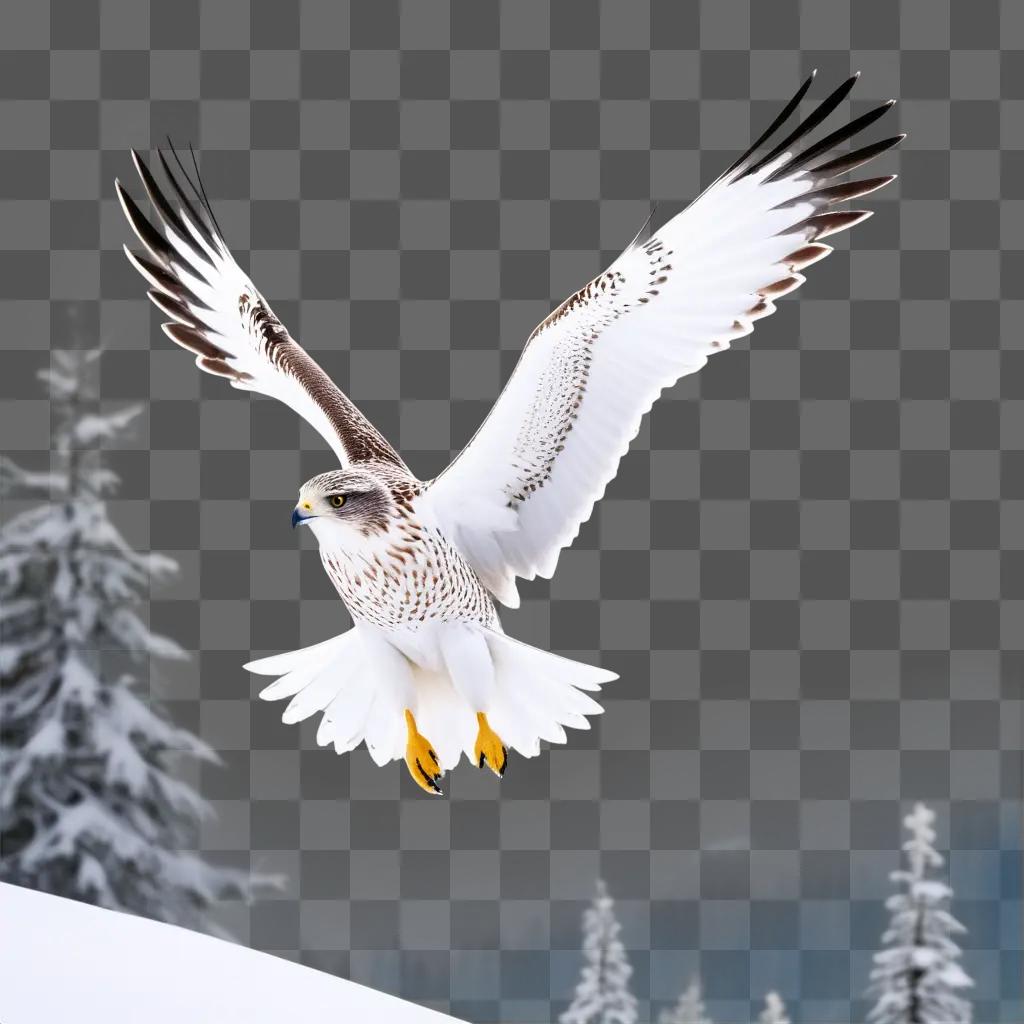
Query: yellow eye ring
[337, 500]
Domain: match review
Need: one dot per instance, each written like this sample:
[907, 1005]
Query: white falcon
[420, 564]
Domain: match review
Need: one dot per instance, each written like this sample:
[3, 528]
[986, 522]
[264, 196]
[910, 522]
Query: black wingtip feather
[847, 162]
[197, 188]
[781, 118]
[170, 217]
[806, 126]
[181, 167]
[830, 141]
[198, 219]
[202, 190]
[148, 235]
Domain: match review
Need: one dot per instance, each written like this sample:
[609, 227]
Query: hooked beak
[300, 515]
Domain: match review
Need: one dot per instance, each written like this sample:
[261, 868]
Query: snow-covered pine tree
[774, 1011]
[602, 995]
[689, 1009]
[89, 807]
[917, 978]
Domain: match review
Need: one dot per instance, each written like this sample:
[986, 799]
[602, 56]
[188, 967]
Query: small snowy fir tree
[689, 1009]
[917, 978]
[774, 1011]
[602, 995]
[88, 806]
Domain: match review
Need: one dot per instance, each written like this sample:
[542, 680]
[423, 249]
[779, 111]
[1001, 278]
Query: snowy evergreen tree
[602, 995]
[89, 808]
[689, 1009]
[917, 978]
[774, 1011]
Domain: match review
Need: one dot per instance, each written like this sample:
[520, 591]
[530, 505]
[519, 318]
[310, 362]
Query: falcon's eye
[337, 500]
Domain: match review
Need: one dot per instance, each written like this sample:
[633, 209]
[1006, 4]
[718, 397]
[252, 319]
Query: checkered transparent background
[809, 572]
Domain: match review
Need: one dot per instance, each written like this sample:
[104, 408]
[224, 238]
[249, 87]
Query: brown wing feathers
[805, 256]
[163, 280]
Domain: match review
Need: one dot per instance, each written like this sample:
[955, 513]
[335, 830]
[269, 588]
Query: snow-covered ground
[63, 961]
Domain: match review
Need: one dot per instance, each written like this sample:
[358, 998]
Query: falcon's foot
[489, 747]
[421, 760]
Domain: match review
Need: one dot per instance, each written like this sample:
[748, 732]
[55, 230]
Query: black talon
[483, 760]
[431, 781]
[504, 763]
[434, 756]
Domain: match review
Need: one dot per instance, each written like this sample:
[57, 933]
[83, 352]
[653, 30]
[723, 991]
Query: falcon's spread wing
[217, 313]
[519, 491]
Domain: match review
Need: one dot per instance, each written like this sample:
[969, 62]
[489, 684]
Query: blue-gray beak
[298, 517]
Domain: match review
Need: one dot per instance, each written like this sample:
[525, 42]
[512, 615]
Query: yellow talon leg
[421, 760]
[489, 747]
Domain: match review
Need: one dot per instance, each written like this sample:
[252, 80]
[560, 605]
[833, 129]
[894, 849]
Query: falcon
[427, 673]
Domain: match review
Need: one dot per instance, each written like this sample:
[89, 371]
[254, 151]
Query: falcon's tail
[333, 677]
[537, 694]
[362, 689]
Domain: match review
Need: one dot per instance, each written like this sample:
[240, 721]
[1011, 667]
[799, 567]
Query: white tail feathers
[362, 687]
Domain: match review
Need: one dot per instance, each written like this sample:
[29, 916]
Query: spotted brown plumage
[419, 565]
[404, 573]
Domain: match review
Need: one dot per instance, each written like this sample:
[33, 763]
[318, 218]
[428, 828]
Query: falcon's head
[342, 502]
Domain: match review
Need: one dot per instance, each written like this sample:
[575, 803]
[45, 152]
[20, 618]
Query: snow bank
[64, 961]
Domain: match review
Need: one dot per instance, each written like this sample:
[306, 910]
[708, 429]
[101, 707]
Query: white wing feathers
[217, 313]
[520, 490]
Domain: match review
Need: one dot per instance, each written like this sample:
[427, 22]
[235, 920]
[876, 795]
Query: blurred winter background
[92, 803]
[916, 976]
